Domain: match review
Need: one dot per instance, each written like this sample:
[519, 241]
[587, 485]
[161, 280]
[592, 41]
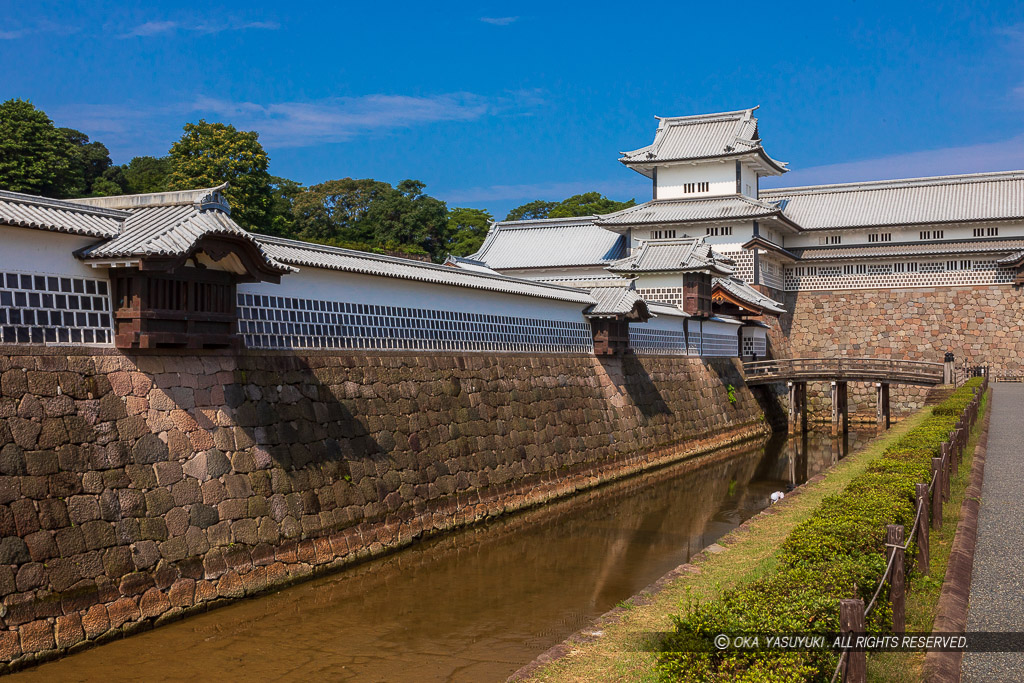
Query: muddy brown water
[477, 604]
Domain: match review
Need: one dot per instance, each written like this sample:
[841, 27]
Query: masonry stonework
[978, 324]
[137, 488]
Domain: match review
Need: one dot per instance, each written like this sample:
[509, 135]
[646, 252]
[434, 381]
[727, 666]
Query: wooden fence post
[851, 623]
[923, 559]
[937, 493]
[945, 471]
[897, 583]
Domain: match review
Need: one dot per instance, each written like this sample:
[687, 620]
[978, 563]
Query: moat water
[477, 604]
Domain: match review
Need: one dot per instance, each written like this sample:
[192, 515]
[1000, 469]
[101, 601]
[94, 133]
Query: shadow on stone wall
[134, 489]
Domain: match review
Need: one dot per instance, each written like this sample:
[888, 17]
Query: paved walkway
[997, 581]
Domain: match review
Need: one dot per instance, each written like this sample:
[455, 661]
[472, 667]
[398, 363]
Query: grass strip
[751, 552]
[923, 591]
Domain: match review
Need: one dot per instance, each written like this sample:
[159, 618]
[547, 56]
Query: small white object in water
[777, 496]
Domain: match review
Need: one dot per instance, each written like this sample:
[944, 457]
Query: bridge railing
[844, 366]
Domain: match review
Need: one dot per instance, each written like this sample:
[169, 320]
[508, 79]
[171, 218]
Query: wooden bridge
[797, 372]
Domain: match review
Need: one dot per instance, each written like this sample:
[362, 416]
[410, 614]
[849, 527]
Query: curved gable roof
[550, 243]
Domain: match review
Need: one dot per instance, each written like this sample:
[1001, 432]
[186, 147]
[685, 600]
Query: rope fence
[852, 666]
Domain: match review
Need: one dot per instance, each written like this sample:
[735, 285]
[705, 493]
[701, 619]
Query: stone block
[145, 554]
[154, 603]
[168, 473]
[182, 593]
[10, 645]
[30, 575]
[158, 502]
[149, 450]
[177, 520]
[98, 534]
[68, 630]
[122, 611]
[26, 520]
[41, 545]
[63, 573]
[95, 622]
[36, 636]
[53, 514]
[70, 541]
[132, 502]
[186, 492]
[203, 516]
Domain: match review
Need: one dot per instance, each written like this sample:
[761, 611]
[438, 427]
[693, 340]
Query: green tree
[147, 174]
[89, 161]
[408, 216]
[467, 229]
[34, 156]
[209, 154]
[282, 217]
[588, 204]
[531, 211]
[362, 213]
[336, 210]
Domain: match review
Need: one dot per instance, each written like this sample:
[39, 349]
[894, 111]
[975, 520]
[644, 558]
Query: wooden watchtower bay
[174, 269]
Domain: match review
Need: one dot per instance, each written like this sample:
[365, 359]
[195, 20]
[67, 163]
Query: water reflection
[478, 604]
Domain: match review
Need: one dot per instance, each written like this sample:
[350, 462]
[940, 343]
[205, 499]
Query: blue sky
[496, 104]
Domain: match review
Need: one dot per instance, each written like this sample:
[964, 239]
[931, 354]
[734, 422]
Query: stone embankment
[135, 489]
[980, 324]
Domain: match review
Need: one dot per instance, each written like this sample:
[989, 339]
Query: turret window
[663, 234]
[880, 237]
[695, 187]
[722, 230]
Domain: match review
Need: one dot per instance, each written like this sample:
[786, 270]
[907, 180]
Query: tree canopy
[352, 211]
[35, 157]
[467, 229]
[361, 213]
[210, 154]
[586, 204]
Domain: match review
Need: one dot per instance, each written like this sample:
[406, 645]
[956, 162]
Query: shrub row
[837, 553]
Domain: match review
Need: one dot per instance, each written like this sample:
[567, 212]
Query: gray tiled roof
[904, 249]
[613, 301]
[912, 201]
[29, 211]
[464, 263]
[676, 255]
[667, 211]
[171, 231]
[705, 136]
[549, 243]
[745, 292]
[301, 254]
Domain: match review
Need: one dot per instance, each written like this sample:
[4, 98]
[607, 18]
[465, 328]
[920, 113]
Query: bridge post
[840, 409]
[792, 407]
[797, 406]
[947, 368]
[883, 408]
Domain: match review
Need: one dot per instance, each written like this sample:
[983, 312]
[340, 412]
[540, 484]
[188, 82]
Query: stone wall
[979, 324]
[135, 489]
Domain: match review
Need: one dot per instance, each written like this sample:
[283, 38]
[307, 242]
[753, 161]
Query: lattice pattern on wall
[668, 295]
[276, 322]
[660, 342]
[897, 274]
[754, 346]
[744, 259]
[49, 309]
[720, 344]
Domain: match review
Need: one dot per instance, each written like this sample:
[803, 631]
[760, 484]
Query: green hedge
[837, 553]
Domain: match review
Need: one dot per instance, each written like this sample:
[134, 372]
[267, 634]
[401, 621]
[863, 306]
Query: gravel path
[997, 581]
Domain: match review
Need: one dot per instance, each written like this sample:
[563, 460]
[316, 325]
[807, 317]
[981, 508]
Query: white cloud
[498, 21]
[11, 35]
[298, 124]
[1005, 155]
[155, 28]
[131, 128]
[151, 28]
